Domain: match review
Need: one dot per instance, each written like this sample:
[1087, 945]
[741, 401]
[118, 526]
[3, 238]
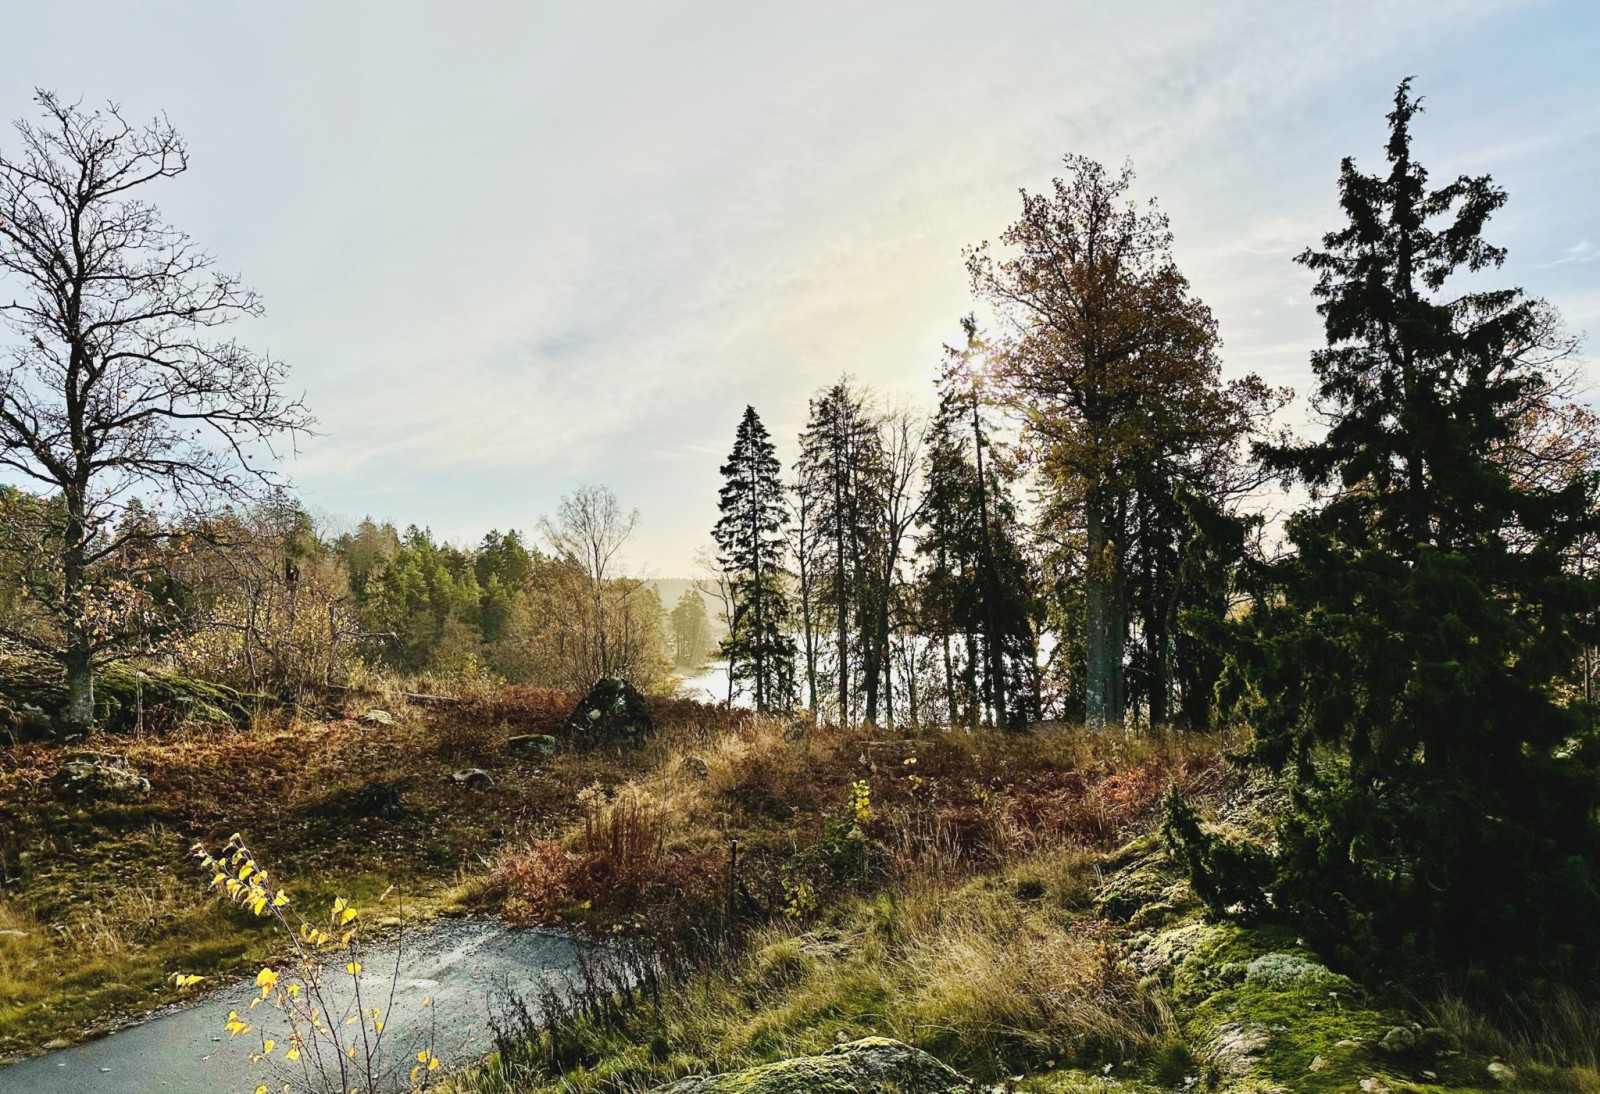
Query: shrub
[335, 1044]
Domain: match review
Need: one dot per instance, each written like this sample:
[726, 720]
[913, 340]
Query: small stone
[99, 778]
[696, 768]
[376, 717]
[536, 744]
[1502, 1073]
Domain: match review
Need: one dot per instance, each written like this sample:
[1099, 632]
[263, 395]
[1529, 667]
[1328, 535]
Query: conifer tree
[750, 548]
[841, 471]
[1428, 618]
[976, 582]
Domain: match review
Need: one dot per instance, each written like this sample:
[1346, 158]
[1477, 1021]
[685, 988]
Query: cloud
[1581, 251]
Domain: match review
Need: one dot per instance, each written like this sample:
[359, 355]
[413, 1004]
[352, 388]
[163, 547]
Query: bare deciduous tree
[588, 531]
[116, 384]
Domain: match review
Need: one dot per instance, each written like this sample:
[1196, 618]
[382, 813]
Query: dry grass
[947, 806]
[993, 982]
[970, 933]
[1553, 1041]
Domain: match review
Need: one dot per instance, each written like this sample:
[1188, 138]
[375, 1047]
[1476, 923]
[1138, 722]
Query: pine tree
[750, 547]
[1427, 619]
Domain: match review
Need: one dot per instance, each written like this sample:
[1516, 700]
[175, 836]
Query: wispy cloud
[1581, 251]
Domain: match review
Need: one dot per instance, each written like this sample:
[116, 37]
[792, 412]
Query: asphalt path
[461, 966]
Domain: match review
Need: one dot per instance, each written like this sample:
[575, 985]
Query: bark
[1105, 623]
[78, 712]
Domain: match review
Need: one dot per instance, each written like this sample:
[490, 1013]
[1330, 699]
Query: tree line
[1031, 548]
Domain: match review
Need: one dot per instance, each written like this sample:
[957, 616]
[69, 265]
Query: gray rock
[32, 720]
[1236, 1048]
[99, 777]
[827, 947]
[872, 1065]
[696, 768]
[533, 744]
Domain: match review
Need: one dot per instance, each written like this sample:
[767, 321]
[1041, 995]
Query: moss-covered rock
[1258, 1009]
[32, 690]
[872, 1065]
[614, 712]
[1144, 887]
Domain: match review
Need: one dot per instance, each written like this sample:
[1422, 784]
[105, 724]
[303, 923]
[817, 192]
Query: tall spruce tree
[1428, 618]
[750, 547]
[975, 582]
[841, 471]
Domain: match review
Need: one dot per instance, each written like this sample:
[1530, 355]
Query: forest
[1099, 653]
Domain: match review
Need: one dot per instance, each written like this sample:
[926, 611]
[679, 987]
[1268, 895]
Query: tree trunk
[1102, 624]
[78, 658]
[78, 714]
[841, 595]
[949, 678]
[991, 638]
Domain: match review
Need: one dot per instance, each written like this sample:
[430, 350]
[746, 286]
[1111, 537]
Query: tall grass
[1552, 1039]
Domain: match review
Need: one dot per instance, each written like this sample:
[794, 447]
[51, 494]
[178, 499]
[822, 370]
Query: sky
[509, 247]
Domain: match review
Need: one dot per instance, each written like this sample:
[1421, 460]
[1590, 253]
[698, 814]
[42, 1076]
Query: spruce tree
[750, 547]
[976, 582]
[1407, 661]
[842, 472]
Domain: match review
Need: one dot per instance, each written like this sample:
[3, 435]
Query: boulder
[473, 778]
[612, 713]
[98, 776]
[872, 1065]
[533, 744]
